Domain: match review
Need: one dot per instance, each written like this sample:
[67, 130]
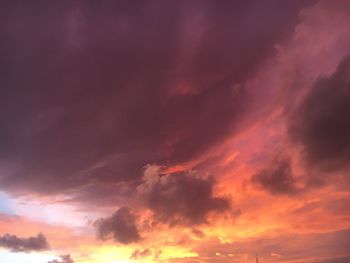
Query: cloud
[139, 254]
[16, 244]
[180, 198]
[277, 178]
[64, 259]
[321, 125]
[84, 102]
[174, 199]
[121, 227]
[320, 128]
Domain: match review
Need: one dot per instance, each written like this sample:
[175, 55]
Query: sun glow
[109, 254]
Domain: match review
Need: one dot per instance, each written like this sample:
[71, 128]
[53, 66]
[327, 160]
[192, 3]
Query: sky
[179, 131]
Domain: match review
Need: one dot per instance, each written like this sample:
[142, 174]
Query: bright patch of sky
[5, 204]
[10, 257]
[51, 213]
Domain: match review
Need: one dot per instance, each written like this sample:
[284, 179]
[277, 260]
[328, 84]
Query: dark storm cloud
[277, 178]
[121, 227]
[181, 198]
[17, 244]
[321, 124]
[64, 259]
[94, 90]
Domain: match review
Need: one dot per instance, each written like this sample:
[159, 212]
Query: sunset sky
[175, 131]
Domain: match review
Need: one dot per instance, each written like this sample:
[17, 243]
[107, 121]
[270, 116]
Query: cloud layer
[84, 102]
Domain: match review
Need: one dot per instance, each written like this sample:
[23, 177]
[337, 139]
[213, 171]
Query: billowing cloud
[17, 244]
[321, 124]
[320, 128]
[121, 226]
[180, 198]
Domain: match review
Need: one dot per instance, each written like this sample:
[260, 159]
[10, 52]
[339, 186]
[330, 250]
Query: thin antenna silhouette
[256, 257]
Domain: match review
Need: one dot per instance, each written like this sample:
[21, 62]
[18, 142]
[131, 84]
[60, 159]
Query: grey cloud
[17, 244]
[121, 226]
[180, 198]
